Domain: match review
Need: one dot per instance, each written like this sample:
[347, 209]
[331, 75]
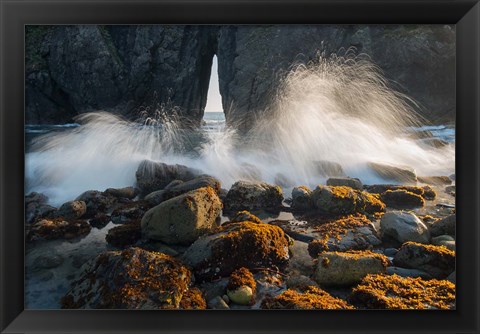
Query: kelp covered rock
[438, 261]
[243, 244]
[241, 287]
[402, 199]
[395, 292]
[345, 200]
[348, 268]
[57, 228]
[182, 219]
[348, 233]
[308, 298]
[129, 279]
[250, 195]
[193, 300]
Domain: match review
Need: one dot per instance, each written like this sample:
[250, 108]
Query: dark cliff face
[128, 69]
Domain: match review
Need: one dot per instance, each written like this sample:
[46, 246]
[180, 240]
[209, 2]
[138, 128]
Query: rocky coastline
[177, 240]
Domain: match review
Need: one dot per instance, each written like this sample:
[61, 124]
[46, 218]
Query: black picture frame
[17, 13]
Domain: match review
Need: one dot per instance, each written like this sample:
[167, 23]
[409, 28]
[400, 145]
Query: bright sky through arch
[214, 100]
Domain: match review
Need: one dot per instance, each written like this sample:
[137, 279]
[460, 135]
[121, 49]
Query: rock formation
[134, 69]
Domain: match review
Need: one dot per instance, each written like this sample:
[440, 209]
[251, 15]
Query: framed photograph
[239, 166]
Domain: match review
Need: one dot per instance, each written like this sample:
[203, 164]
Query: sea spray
[337, 109]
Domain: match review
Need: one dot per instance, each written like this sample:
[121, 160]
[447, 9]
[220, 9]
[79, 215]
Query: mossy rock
[243, 244]
[97, 202]
[345, 200]
[395, 292]
[348, 268]
[308, 298]
[438, 261]
[129, 279]
[244, 215]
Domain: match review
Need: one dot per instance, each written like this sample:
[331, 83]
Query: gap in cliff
[214, 99]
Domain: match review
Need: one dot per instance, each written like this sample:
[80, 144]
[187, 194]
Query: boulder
[405, 272]
[345, 181]
[402, 199]
[72, 210]
[429, 193]
[403, 226]
[400, 174]
[348, 268]
[129, 212]
[127, 192]
[444, 240]
[35, 212]
[325, 168]
[174, 190]
[57, 228]
[381, 188]
[182, 219]
[444, 226]
[241, 287]
[129, 279]
[243, 244]
[435, 180]
[438, 261]
[100, 220]
[248, 195]
[97, 202]
[302, 198]
[345, 200]
[124, 235]
[244, 215]
[152, 176]
[395, 292]
[306, 298]
[349, 233]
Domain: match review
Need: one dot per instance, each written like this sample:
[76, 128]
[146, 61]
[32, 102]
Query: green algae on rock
[402, 199]
[193, 299]
[395, 292]
[129, 279]
[308, 298]
[57, 228]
